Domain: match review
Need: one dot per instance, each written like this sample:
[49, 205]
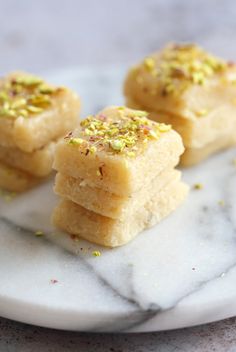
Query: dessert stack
[33, 116]
[192, 90]
[116, 176]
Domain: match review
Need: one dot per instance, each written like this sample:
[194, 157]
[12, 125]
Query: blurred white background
[49, 34]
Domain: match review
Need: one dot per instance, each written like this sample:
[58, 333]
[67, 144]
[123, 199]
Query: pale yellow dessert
[193, 91]
[116, 176]
[108, 204]
[37, 163]
[109, 232]
[33, 116]
[15, 180]
[118, 150]
[33, 113]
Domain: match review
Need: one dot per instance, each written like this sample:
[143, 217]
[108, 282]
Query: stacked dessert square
[33, 116]
[193, 91]
[116, 176]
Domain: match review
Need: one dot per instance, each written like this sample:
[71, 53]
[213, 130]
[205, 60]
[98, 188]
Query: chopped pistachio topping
[3, 96]
[96, 253]
[45, 89]
[141, 113]
[178, 66]
[25, 95]
[28, 80]
[23, 112]
[34, 109]
[120, 135]
[76, 141]
[149, 63]
[39, 233]
[93, 149]
[117, 144]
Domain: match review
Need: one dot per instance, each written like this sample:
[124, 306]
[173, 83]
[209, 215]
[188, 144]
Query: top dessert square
[119, 150]
[183, 80]
[33, 112]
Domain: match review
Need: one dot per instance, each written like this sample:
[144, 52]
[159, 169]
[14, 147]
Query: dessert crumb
[96, 253]
[198, 186]
[39, 233]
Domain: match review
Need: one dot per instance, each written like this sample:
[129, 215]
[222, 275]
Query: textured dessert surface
[109, 232]
[182, 79]
[15, 180]
[118, 150]
[196, 134]
[193, 156]
[195, 92]
[37, 163]
[32, 112]
[106, 203]
[33, 116]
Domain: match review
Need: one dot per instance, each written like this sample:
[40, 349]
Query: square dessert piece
[118, 150]
[33, 112]
[99, 229]
[193, 91]
[109, 204]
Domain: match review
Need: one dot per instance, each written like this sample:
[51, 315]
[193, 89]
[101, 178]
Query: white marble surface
[179, 273]
[43, 35]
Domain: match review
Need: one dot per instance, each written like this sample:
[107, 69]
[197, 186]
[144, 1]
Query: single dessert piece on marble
[33, 116]
[193, 91]
[118, 150]
[116, 176]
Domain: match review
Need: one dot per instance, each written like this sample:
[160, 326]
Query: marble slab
[181, 272]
